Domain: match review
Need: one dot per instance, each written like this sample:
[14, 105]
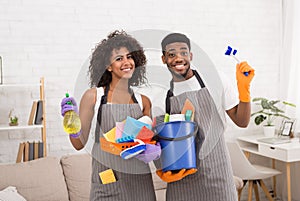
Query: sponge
[110, 135]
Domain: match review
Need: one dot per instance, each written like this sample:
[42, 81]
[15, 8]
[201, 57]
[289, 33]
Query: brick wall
[54, 38]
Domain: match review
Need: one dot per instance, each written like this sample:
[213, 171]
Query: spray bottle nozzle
[69, 102]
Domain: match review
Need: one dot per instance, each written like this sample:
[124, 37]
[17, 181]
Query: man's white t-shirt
[158, 95]
[192, 84]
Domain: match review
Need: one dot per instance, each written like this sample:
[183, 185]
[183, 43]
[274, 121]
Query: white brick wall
[54, 38]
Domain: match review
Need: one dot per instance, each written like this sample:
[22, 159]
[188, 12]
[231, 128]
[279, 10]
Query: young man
[213, 178]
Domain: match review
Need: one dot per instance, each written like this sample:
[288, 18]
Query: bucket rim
[171, 122]
[178, 138]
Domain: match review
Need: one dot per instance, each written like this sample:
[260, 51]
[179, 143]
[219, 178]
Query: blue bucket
[177, 140]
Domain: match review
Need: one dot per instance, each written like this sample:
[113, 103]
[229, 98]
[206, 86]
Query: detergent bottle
[71, 122]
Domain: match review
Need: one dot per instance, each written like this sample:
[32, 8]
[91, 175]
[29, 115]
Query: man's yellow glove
[243, 81]
[169, 176]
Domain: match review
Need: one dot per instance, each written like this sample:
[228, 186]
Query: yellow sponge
[107, 176]
[110, 135]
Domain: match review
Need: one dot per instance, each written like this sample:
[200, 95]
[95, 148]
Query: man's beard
[180, 76]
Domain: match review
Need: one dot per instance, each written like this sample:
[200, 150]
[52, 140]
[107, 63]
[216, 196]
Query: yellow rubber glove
[243, 81]
[169, 176]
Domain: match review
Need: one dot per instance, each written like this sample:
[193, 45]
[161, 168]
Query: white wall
[54, 38]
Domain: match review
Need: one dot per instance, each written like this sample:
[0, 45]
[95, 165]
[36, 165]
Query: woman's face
[122, 64]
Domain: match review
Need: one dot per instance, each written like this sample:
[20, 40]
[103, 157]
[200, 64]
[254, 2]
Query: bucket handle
[180, 138]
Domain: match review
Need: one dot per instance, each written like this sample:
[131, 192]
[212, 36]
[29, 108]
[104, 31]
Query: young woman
[117, 63]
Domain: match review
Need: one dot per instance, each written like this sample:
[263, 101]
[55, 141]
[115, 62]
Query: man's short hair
[173, 38]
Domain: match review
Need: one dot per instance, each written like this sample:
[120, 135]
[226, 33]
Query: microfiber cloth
[132, 127]
[151, 153]
[145, 134]
[120, 128]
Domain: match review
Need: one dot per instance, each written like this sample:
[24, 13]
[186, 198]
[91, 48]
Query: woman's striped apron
[134, 181]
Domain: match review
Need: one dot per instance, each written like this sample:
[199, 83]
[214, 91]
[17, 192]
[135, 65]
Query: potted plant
[13, 119]
[269, 112]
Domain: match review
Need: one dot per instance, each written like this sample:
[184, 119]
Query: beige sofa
[54, 179]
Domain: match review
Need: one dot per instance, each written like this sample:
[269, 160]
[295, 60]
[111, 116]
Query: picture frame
[286, 127]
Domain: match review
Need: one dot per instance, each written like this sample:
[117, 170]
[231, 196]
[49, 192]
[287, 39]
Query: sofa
[53, 179]
[56, 179]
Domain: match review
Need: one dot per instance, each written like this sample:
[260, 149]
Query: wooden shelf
[19, 85]
[42, 126]
[19, 127]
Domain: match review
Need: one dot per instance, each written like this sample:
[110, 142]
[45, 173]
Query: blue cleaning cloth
[132, 127]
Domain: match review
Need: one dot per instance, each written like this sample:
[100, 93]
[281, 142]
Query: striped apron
[134, 180]
[214, 179]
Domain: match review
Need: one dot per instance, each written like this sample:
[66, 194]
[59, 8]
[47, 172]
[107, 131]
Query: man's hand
[243, 81]
[172, 177]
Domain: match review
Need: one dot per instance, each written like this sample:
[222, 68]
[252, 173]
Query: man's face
[178, 58]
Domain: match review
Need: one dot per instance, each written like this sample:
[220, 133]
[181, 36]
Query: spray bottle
[71, 122]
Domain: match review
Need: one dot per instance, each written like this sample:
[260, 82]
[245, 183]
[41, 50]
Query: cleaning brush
[133, 151]
[232, 52]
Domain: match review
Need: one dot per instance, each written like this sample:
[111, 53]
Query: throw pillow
[37, 180]
[77, 170]
[11, 194]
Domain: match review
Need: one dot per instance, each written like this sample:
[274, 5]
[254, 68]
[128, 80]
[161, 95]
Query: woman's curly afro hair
[100, 76]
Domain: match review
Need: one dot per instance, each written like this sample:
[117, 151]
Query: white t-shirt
[100, 93]
[157, 94]
[192, 84]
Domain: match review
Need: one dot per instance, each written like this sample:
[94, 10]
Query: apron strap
[170, 91]
[104, 101]
[199, 79]
[133, 96]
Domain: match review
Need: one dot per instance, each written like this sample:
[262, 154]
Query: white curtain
[290, 84]
[290, 57]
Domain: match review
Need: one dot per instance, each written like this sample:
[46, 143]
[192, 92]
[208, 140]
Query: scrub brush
[133, 151]
[232, 52]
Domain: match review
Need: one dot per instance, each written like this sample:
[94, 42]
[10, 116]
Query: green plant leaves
[269, 111]
[259, 119]
[13, 119]
[290, 104]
